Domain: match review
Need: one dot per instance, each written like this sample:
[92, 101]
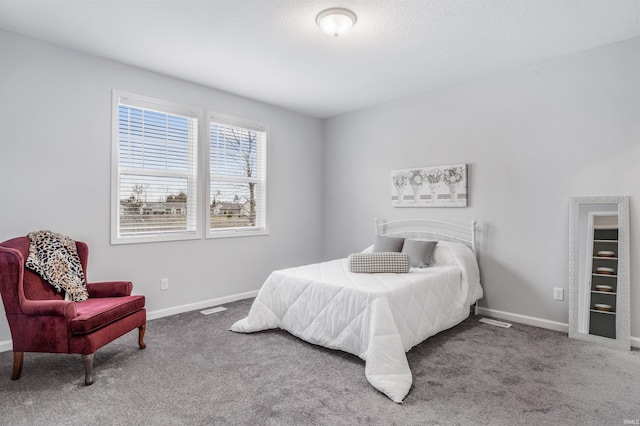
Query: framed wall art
[434, 186]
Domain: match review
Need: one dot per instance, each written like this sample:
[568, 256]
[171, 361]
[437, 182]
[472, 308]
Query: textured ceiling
[272, 50]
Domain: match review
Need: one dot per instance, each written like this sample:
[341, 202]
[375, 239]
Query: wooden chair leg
[87, 360]
[141, 331]
[18, 359]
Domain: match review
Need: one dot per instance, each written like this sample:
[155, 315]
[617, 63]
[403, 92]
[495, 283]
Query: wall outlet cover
[558, 293]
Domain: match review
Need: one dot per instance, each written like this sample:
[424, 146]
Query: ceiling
[272, 50]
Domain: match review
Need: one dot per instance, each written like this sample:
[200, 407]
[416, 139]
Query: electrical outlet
[558, 293]
[164, 284]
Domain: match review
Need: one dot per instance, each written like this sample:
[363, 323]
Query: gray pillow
[419, 252]
[388, 244]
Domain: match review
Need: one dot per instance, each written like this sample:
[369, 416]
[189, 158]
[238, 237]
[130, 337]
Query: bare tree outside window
[247, 152]
[237, 177]
[139, 194]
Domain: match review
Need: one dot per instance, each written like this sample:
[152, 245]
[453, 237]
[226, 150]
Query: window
[154, 193]
[237, 177]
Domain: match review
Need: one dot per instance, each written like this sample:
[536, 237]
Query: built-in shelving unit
[604, 278]
[599, 302]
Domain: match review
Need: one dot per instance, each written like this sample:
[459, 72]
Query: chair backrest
[34, 287]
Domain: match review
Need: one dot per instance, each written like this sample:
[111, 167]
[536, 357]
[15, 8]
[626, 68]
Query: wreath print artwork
[434, 186]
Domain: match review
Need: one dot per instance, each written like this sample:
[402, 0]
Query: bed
[375, 316]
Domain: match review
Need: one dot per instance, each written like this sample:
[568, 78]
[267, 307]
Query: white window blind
[155, 170]
[237, 177]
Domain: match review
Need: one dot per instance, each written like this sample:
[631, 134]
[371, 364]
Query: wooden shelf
[603, 312]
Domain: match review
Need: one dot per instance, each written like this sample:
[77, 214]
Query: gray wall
[531, 138]
[55, 154]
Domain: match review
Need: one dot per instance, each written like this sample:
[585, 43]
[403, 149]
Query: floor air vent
[495, 322]
[213, 310]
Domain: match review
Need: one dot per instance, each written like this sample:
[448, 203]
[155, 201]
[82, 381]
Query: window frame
[144, 102]
[242, 231]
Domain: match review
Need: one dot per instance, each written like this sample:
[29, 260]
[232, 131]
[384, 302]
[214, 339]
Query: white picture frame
[431, 186]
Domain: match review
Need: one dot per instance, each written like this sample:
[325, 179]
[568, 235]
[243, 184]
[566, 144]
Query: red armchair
[41, 321]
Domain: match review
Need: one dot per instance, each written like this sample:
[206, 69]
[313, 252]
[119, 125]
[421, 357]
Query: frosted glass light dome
[336, 21]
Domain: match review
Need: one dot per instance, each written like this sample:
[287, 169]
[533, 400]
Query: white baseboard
[6, 345]
[151, 315]
[523, 319]
[536, 322]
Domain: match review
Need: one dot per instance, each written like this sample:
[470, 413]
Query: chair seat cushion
[95, 313]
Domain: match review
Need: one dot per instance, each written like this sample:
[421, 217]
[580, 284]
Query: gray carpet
[196, 372]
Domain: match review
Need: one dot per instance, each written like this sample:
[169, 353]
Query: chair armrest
[110, 289]
[64, 308]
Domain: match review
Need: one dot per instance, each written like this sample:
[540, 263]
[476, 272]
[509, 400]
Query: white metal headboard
[426, 228]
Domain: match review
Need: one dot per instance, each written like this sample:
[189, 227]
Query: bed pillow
[368, 249]
[388, 244]
[379, 262]
[419, 252]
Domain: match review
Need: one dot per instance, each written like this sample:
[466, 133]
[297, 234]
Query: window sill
[153, 239]
[235, 232]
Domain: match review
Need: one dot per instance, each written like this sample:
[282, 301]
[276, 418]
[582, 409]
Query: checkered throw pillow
[379, 262]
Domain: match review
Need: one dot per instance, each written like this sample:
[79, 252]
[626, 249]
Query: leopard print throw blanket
[55, 258]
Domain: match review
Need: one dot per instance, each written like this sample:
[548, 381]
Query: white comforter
[377, 317]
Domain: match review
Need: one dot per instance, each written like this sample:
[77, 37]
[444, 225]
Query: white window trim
[169, 107]
[234, 232]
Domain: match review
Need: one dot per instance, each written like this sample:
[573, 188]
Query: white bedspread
[377, 317]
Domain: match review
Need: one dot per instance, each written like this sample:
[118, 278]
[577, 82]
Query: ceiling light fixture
[336, 21]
